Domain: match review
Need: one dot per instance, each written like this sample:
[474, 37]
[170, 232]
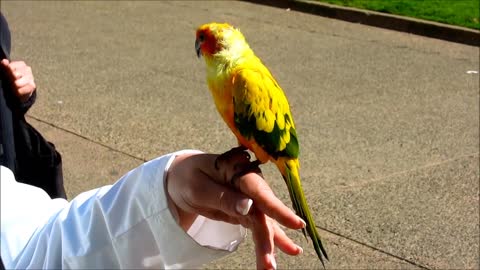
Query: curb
[394, 22]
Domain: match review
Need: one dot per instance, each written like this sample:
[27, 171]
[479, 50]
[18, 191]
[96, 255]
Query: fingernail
[273, 261]
[300, 249]
[303, 222]
[243, 206]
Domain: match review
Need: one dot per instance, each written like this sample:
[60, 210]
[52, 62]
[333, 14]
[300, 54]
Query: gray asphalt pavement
[388, 122]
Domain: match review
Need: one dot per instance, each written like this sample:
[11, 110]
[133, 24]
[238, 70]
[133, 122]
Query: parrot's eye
[201, 37]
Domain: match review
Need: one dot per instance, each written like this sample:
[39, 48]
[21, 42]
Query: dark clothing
[32, 159]
[7, 150]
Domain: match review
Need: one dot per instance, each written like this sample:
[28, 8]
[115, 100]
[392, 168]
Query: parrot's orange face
[209, 38]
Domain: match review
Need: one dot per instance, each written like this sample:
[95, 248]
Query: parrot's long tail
[290, 171]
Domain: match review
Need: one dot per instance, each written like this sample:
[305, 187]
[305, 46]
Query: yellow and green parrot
[255, 108]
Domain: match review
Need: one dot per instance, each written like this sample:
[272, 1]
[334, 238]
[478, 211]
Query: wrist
[28, 102]
[184, 218]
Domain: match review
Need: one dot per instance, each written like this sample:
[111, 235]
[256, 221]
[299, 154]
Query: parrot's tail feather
[290, 172]
[295, 202]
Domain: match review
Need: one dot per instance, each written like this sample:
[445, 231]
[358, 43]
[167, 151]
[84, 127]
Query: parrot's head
[212, 38]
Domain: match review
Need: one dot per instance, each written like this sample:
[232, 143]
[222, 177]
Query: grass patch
[463, 13]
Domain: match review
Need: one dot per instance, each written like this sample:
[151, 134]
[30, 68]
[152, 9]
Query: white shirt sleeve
[126, 225]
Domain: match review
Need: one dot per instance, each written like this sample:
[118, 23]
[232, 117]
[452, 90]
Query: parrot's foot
[247, 168]
[234, 151]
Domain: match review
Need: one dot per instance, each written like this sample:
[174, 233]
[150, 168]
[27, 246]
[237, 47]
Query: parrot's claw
[233, 151]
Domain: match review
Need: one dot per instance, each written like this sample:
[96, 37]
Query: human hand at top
[21, 77]
[198, 188]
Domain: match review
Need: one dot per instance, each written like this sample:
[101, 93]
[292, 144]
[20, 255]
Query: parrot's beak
[197, 48]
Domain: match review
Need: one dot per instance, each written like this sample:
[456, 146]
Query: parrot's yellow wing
[261, 113]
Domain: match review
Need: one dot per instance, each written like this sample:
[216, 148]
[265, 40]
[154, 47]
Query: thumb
[5, 65]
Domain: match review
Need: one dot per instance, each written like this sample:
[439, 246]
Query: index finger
[255, 187]
[17, 64]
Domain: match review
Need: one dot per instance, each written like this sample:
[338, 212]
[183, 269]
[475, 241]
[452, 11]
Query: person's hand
[22, 78]
[197, 188]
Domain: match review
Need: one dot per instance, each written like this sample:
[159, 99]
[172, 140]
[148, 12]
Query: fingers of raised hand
[21, 73]
[15, 68]
[22, 78]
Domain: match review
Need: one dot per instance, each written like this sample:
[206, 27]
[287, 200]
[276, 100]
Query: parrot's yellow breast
[220, 85]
